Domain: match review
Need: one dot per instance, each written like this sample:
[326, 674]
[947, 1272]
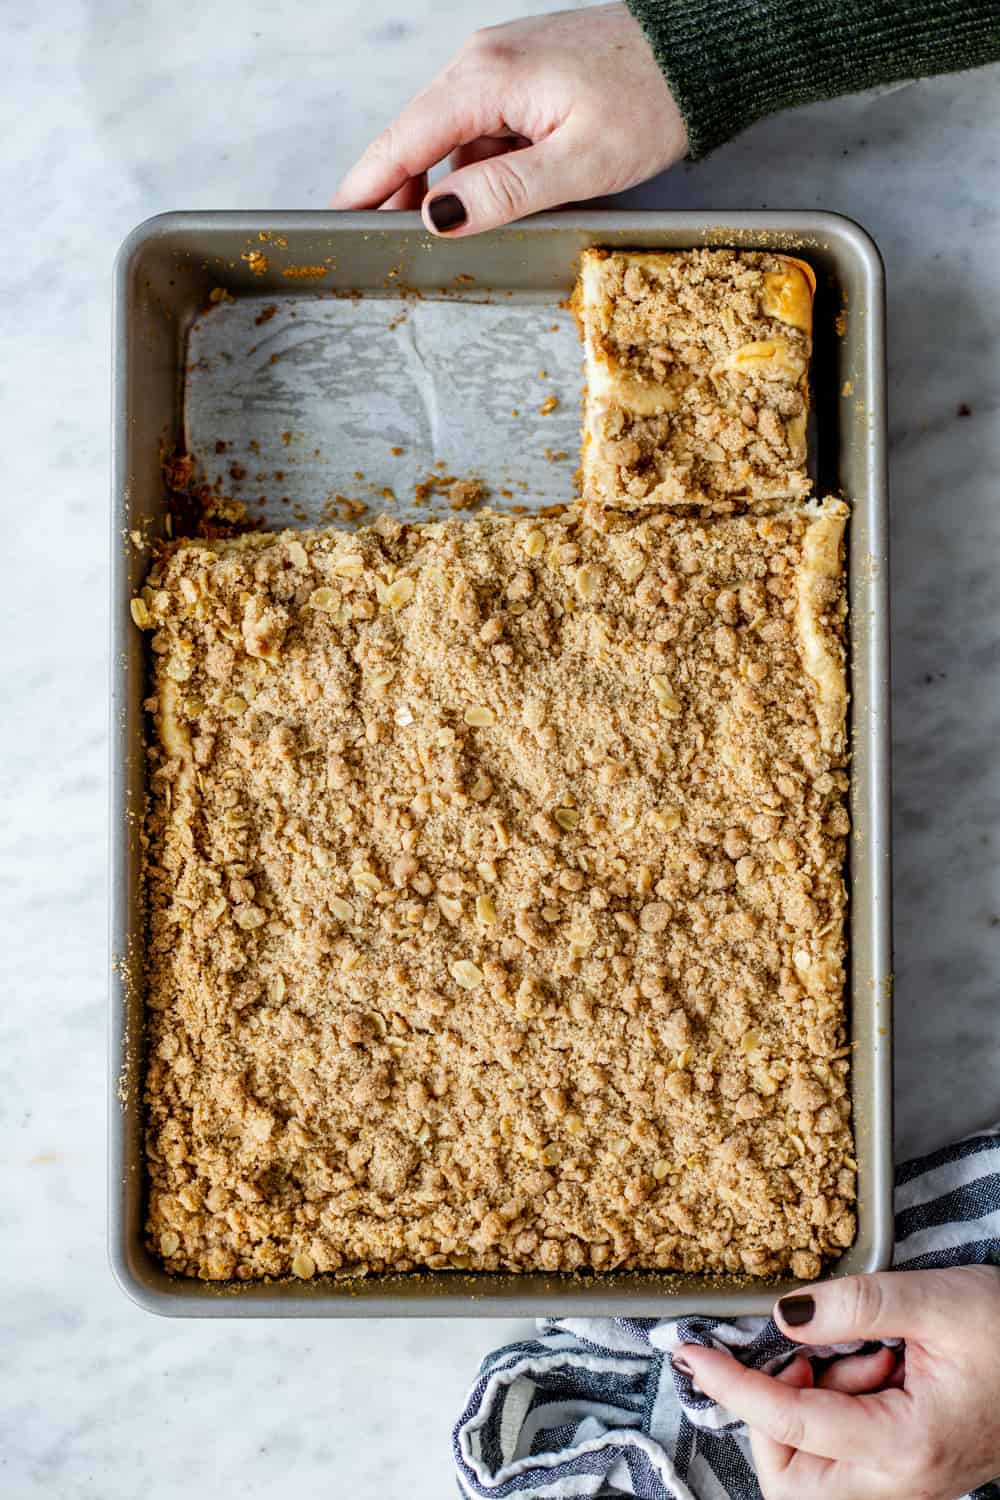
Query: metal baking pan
[165, 276]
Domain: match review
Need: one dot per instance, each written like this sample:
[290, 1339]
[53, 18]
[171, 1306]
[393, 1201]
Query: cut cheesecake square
[495, 897]
[696, 377]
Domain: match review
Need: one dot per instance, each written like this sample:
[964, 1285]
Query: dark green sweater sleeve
[730, 62]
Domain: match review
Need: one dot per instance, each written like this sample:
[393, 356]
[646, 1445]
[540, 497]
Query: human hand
[927, 1428]
[539, 112]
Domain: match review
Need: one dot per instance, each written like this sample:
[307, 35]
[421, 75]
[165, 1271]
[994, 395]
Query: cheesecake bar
[495, 897]
[696, 377]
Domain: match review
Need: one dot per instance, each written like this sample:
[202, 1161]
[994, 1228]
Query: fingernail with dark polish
[447, 212]
[797, 1310]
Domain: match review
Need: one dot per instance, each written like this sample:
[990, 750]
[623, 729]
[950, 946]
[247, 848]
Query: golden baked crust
[495, 897]
[823, 659]
[697, 377]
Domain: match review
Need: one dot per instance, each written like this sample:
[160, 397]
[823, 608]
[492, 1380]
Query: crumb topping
[495, 897]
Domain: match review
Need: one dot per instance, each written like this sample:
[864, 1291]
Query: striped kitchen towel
[592, 1407]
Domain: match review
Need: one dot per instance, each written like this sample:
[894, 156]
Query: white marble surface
[113, 111]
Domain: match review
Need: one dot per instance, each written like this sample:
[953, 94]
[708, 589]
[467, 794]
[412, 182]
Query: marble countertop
[111, 112]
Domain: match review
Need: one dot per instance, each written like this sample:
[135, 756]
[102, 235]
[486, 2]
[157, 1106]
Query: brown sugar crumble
[459, 493]
[495, 897]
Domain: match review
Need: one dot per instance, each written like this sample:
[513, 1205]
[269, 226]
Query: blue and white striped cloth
[592, 1407]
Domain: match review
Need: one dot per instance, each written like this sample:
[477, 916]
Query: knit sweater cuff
[728, 64]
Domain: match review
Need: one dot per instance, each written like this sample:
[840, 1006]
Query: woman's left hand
[543, 111]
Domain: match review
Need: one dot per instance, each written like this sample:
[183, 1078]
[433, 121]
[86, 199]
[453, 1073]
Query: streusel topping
[495, 897]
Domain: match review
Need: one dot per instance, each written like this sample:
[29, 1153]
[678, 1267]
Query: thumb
[892, 1304]
[508, 186]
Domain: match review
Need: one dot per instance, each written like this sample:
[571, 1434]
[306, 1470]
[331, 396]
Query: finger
[859, 1373]
[798, 1374]
[483, 148]
[508, 186]
[449, 113]
[806, 1477]
[771, 1458]
[893, 1304]
[825, 1423]
[410, 195]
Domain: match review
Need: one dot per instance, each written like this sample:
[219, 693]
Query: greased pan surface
[165, 275]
